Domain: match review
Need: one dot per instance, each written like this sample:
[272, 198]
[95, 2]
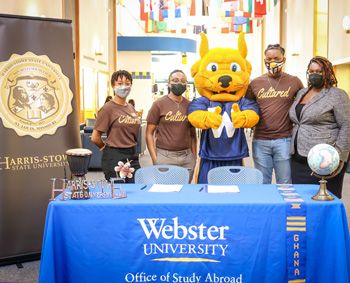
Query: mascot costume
[221, 77]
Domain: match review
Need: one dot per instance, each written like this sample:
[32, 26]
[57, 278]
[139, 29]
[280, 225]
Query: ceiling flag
[260, 8]
[193, 8]
[143, 14]
[240, 20]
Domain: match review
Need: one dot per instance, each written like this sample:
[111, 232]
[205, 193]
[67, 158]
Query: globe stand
[322, 193]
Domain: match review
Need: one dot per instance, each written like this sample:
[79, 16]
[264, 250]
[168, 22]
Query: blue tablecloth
[191, 236]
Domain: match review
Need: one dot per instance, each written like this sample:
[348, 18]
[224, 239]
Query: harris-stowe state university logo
[35, 95]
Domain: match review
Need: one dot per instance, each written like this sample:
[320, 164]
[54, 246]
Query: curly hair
[121, 74]
[328, 72]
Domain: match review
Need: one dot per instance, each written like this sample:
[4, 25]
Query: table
[191, 236]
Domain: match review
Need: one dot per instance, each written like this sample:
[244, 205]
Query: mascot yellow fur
[221, 77]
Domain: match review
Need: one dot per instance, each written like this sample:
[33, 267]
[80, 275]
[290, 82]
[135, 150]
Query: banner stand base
[18, 260]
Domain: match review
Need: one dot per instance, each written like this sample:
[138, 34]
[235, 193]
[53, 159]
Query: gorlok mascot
[221, 77]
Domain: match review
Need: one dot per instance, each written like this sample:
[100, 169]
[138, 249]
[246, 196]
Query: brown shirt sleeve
[249, 94]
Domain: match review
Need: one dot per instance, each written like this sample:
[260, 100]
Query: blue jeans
[273, 154]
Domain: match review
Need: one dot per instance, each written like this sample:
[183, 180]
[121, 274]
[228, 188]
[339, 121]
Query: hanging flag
[275, 2]
[250, 6]
[199, 29]
[165, 13]
[183, 2]
[247, 14]
[239, 20]
[161, 19]
[163, 4]
[225, 30]
[231, 6]
[193, 8]
[161, 26]
[259, 8]
[177, 13]
[143, 14]
[147, 6]
[229, 13]
[155, 9]
[249, 26]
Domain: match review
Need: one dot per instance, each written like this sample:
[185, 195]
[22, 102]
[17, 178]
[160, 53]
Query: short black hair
[275, 46]
[121, 73]
[175, 71]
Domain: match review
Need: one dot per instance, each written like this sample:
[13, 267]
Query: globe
[323, 159]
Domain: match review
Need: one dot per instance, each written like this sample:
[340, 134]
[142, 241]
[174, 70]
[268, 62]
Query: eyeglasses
[176, 80]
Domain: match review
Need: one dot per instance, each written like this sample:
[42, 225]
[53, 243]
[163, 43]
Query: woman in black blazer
[321, 114]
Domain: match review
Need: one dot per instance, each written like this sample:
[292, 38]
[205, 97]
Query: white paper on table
[158, 188]
[222, 189]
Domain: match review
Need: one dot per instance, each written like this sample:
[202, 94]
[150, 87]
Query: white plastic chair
[235, 175]
[162, 174]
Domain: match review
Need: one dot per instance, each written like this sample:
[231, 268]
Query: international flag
[163, 4]
[240, 20]
[193, 8]
[259, 8]
[143, 14]
[199, 29]
[161, 26]
[249, 27]
[229, 13]
[225, 30]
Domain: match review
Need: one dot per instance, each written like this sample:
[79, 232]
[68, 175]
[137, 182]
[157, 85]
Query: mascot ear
[242, 46]
[204, 47]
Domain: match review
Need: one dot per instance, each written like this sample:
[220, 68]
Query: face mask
[316, 80]
[122, 91]
[274, 67]
[178, 89]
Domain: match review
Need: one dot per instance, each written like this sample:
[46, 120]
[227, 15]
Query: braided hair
[329, 75]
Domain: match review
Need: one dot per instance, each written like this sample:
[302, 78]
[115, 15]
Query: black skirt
[111, 156]
[301, 174]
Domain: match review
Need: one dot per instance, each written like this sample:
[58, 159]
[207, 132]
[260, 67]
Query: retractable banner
[38, 123]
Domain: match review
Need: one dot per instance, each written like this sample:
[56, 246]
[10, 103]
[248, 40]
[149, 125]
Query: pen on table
[143, 187]
[201, 189]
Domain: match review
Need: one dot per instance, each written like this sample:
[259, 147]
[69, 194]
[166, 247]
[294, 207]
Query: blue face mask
[122, 91]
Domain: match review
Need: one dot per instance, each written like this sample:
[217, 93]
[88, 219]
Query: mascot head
[222, 74]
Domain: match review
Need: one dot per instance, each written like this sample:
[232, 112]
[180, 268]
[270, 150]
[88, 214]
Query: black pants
[301, 174]
[111, 156]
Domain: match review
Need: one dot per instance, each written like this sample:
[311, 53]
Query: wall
[339, 41]
[299, 45]
[34, 8]
[142, 88]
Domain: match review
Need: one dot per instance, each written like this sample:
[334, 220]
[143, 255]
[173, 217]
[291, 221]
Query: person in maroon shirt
[118, 119]
[176, 142]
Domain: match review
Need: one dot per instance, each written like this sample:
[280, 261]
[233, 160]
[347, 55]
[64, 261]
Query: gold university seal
[35, 95]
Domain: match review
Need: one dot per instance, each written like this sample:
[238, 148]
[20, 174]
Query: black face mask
[178, 89]
[316, 80]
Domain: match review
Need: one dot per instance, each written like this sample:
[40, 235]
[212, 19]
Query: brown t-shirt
[120, 123]
[275, 96]
[173, 132]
